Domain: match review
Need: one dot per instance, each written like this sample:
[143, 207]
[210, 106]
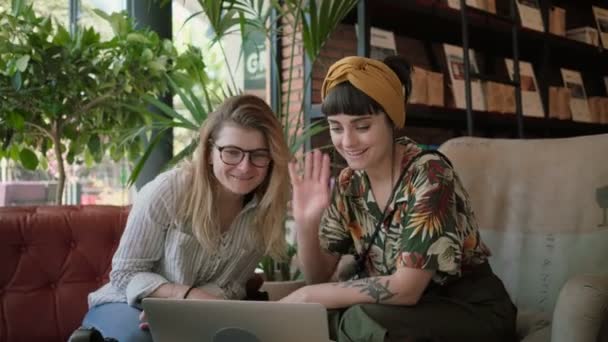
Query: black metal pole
[545, 69]
[307, 98]
[150, 14]
[516, 76]
[276, 79]
[74, 13]
[467, 66]
[363, 29]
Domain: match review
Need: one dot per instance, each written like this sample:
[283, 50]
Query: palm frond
[144, 158]
[192, 104]
[296, 141]
[186, 152]
[169, 111]
[318, 22]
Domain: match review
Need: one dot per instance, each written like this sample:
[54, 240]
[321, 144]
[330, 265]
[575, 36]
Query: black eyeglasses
[232, 155]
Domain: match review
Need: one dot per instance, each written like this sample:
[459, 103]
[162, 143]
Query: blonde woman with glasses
[199, 230]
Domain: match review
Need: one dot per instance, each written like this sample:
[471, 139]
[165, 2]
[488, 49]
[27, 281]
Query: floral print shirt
[429, 224]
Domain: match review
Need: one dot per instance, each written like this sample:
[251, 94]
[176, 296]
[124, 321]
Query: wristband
[188, 292]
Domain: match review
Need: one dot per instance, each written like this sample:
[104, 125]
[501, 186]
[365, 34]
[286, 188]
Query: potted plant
[72, 97]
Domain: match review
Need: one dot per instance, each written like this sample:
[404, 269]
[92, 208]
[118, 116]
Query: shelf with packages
[420, 27]
[489, 123]
[434, 18]
[574, 50]
[431, 116]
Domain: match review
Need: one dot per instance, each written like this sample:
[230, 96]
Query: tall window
[5, 5]
[59, 9]
[104, 183]
[243, 65]
[87, 17]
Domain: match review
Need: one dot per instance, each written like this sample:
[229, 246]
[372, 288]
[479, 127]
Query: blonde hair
[199, 203]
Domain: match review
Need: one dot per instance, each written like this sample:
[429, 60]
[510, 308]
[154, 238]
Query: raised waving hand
[311, 189]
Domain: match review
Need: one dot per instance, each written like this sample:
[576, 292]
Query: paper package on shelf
[605, 111]
[598, 105]
[435, 89]
[559, 103]
[579, 106]
[493, 95]
[455, 65]
[601, 20]
[419, 86]
[530, 96]
[530, 14]
[585, 34]
[596, 109]
[500, 98]
[508, 99]
[557, 21]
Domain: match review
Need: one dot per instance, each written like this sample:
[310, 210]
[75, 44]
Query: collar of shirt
[356, 185]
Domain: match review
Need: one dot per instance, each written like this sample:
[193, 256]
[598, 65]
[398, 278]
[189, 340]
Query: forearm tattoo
[372, 287]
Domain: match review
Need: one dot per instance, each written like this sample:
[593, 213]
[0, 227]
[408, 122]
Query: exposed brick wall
[341, 43]
[292, 68]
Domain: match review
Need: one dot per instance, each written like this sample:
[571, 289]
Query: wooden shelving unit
[432, 22]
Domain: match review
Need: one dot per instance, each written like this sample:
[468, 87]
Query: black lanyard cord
[360, 258]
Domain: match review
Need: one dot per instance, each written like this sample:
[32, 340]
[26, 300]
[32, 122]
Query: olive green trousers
[474, 308]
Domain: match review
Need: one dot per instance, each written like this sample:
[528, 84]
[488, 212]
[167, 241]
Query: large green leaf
[43, 164]
[28, 159]
[119, 21]
[14, 152]
[17, 6]
[94, 146]
[16, 121]
[17, 81]
[22, 62]
[62, 38]
[136, 37]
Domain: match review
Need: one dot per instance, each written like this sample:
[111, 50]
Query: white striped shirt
[156, 248]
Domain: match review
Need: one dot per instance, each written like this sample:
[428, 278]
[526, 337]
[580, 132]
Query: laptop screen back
[177, 320]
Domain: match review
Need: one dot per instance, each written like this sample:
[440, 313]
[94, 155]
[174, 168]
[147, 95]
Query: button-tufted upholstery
[51, 257]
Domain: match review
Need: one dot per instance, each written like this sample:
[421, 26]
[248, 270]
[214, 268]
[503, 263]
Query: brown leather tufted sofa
[51, 257]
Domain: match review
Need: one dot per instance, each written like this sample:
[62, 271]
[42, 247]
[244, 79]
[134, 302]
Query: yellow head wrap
[372, 77]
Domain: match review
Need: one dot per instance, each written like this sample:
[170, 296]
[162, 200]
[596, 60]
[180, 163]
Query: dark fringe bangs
[346, 99]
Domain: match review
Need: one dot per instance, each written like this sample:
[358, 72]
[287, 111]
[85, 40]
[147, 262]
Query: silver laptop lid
[177, 320]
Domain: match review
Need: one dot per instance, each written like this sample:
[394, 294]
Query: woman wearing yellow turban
[420, 270]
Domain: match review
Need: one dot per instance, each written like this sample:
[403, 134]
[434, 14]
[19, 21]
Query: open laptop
[178, 320]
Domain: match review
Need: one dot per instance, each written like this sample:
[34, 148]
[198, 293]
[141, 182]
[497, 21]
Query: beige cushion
[531, 322]
[580, 308]
[541, 335]
[538, 208]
